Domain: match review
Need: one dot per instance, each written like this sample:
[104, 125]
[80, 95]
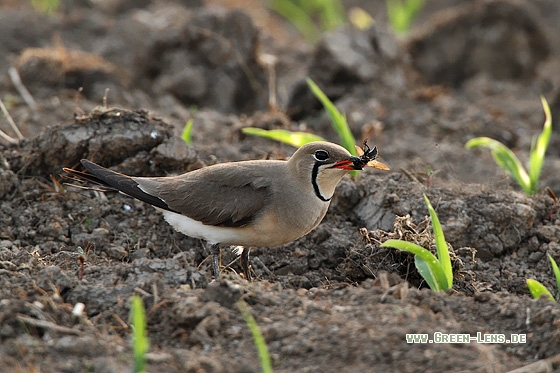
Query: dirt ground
[116, 81]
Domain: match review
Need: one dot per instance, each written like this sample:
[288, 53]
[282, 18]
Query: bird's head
[323, 165]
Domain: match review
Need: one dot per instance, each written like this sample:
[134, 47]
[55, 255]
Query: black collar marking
[314, 174]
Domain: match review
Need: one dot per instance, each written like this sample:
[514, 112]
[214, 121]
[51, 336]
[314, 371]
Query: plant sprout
[140, 342]
[187, 132]
[296, 139]
[304, 13]
[361, 19]
[401, 13]
[436, 271]
[299, 139]
[338, 120]
[258, 338]
[506, 159]
[45, 6]
[537, 289]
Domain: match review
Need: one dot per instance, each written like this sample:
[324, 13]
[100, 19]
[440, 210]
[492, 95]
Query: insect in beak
[366, 157]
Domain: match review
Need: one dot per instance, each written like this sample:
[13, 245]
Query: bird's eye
[321, 155]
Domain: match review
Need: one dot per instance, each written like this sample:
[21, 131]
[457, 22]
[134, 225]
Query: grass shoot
[538, 290]
[338, 119]
[311, 17]
[401, 13]
[296, 139]
[506, 159]
[45, 6]
[299, 139]
[260, 343]
[436, 271]
[187, 132]
[361, 19]
[140, 341]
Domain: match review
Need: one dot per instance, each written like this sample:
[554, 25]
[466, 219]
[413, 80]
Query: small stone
[116, 252]
[100, 232]
[6, 243]
[139, 254]
[224, 292]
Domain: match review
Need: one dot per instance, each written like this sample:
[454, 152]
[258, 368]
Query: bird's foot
[215, 252]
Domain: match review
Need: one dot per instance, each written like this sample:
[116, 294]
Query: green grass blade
[187, 132]
[426, 273]
[431, 261]
[505, 158]
[338, 120]
[361, 19]
[296, 139]
[394, 16]
[414, 7]
[258, 338]
[401, 13]
[140, 342]
[46, 6]
[556, 273]
[538, 290]
[332, 14]
[441, 245]
[298, 17]
[536, 159]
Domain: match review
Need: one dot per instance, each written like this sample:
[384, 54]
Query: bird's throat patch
[314, 176]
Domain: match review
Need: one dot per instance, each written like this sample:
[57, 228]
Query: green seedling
[299, 139]
[258, 338]
[401, 13]
[296, 139]
[140, 341]
[187, 132]
[538, 290]
[436, 271]
[338, 120]
[303, 14]
[361, 19]
[506, 159]
[339, 123]
[45, 6]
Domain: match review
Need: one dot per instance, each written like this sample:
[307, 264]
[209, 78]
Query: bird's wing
[217, 195]
[220, 195]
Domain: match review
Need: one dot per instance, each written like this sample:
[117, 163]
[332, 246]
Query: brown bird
[258, 203]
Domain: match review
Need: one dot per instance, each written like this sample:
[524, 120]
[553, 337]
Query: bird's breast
[287, 225]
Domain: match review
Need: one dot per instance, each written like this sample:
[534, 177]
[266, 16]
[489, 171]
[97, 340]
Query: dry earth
[332, 301]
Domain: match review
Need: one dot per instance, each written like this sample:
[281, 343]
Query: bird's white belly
[265, 234]
[196, 229]
[277, 226]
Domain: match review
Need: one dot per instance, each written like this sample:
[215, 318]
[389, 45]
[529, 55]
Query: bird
[254, 203]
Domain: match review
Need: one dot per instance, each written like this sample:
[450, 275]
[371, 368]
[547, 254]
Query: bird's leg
[215, 252]
[244, 261]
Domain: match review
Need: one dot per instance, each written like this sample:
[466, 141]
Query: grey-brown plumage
[217, 195]
[251, 203]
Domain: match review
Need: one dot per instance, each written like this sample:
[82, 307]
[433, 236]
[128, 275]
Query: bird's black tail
[109, 180]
